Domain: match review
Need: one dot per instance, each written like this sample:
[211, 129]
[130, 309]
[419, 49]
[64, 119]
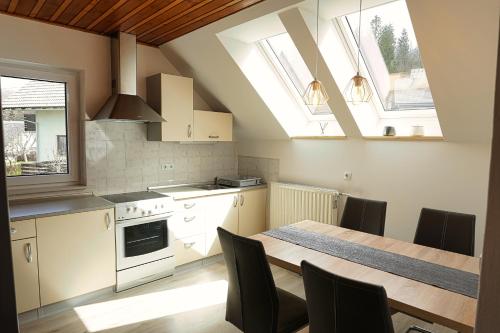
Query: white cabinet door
[222, 211]
[252, 212]
[76, 254]
[25, 262]
[172, 97]
[213, 126]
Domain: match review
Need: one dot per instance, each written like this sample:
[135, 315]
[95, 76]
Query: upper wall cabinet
[172, 97]
[213, 126]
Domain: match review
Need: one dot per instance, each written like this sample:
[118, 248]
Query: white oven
[143, 240]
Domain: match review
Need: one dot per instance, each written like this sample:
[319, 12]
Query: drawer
[22, 229]
[189, 249]
[189, 205]
[187, 224]
[213, 244]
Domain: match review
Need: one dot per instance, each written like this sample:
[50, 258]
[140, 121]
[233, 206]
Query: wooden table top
[414, 298]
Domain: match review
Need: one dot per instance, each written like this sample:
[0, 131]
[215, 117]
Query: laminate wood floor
[191, 301]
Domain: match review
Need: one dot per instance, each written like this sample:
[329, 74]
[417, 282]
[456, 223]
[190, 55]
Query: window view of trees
[398, 53]
[390, 52]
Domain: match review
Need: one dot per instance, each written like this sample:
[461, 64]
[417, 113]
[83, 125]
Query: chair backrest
[233, 304]
[252, 301]
[448, 231]
[340, 305]
[364, 215]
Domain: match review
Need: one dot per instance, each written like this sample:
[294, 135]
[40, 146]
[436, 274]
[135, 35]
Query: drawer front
[189, 249]
[213, 244]
[190, 205]
[187, 224]
[22, 229]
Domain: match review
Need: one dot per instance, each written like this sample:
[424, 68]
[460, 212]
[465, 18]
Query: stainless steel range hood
[124, 104]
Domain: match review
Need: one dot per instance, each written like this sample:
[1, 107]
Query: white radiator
[291, 203]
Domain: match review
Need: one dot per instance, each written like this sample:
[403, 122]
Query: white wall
[34, 42]
[408, 175]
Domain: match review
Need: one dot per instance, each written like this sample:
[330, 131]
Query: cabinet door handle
[235, 201]
[188, 219]
[107, 218]
[189, 245]
[213, 136]
[189, 206]
[13, 230]
[189, 131]
[242, 200]
[28, 252]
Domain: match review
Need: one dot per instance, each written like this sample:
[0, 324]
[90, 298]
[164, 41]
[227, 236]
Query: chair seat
[292, 312]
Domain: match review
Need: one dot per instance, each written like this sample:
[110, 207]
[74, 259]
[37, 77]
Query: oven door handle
[142, 220]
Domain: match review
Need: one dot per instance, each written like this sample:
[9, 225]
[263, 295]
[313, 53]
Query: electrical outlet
[347, 175]
[167, 166]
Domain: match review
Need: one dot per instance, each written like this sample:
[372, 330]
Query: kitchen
[165, 141]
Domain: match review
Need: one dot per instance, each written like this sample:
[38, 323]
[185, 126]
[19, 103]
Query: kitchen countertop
[187, 191]
[56, 206]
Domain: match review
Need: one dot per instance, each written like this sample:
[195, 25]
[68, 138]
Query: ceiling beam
[129, 15]
[173, 18]
[83, 12]
[36, 9]
[106, 14]
[155, 15]
[12, 6]
[60, 10]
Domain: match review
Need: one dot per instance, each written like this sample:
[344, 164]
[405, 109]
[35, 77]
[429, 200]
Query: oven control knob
[143, 213]
[129, 209]
[149, 212]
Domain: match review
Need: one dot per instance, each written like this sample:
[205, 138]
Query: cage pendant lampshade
[358, 90]
[315, 94]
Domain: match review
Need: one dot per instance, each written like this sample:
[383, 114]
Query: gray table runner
[451, 279]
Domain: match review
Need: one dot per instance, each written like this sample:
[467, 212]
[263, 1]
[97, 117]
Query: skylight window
[294, 71]
[390, 51]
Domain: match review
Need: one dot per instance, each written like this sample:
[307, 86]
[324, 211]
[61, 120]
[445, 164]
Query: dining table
[418, 299]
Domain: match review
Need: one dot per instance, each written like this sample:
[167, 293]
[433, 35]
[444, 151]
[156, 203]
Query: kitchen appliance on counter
[144, 242]
[239, 181]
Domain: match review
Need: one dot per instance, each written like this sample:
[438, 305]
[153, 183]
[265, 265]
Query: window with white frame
[40, 121]
[281, 52]
[390, 52]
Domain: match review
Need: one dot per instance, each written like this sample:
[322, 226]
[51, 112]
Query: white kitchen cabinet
[76, 254]
[252, 212]
[213, 126]
[222, 211]
[25, 263]
[189, 249]
[172, 97]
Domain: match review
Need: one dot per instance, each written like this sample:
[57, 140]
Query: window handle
[107, 218]
[28, 252]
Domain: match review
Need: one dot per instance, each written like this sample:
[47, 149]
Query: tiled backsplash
[267, 168]
[119, 159]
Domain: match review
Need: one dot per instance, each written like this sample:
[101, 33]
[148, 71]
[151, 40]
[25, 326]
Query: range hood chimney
[124, 104]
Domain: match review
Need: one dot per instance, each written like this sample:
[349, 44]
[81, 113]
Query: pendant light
[358, 89]
[315, 94]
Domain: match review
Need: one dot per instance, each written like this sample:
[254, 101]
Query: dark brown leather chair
[448, 231]
[364, 215]
[340, 305]
[254, 303]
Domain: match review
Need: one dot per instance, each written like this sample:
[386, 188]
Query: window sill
[319, 137]
[404, 138]
[44, 191]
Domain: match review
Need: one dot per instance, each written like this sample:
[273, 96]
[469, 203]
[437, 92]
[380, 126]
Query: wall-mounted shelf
[404, 138]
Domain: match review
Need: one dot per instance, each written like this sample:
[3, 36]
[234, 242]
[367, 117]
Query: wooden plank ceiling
[154, 22]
